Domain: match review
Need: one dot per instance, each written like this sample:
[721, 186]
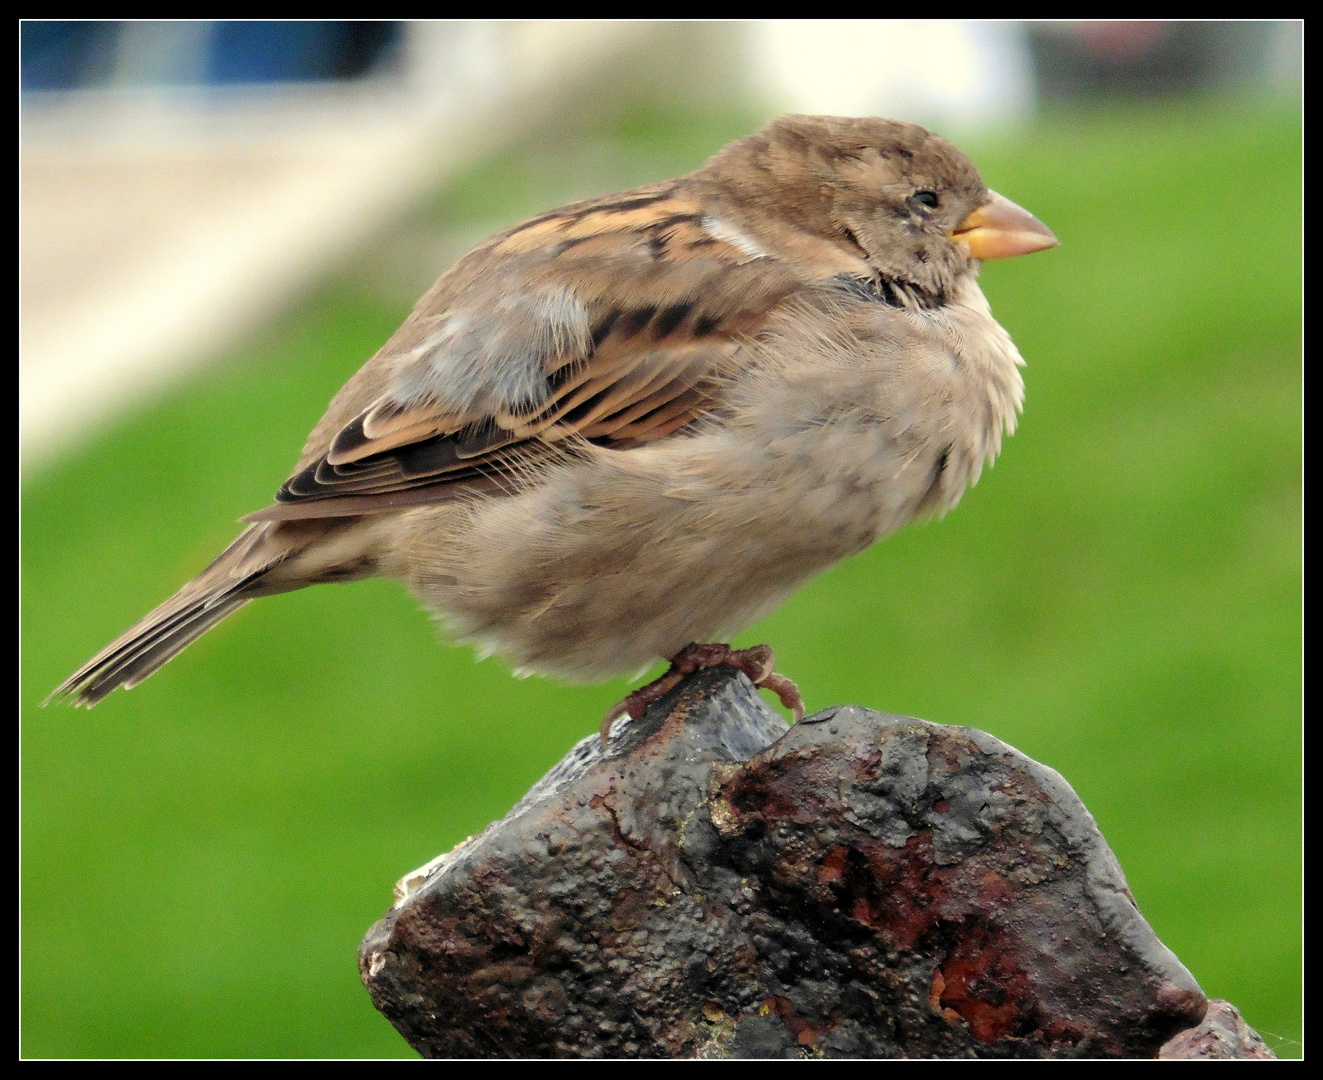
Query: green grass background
[1120, 597]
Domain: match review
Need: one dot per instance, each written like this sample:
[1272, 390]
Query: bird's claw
[756, 662]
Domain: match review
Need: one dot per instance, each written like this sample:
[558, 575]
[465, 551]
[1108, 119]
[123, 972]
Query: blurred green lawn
[1120, 598]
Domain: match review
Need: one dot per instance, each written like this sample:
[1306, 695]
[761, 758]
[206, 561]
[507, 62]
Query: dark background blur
[83, 55]
[222, 221]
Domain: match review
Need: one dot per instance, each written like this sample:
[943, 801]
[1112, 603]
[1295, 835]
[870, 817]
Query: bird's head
[905, 200]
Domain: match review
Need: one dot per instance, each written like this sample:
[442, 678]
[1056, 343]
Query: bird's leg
[756, 662]
[787, 692]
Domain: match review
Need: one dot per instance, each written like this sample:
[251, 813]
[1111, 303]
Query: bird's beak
[999, 230]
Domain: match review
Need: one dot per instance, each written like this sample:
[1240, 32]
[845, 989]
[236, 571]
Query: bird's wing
[611, 321]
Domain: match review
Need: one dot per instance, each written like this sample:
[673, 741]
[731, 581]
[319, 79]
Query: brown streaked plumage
[645, 419]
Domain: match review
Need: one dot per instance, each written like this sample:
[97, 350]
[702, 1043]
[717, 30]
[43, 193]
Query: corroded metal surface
[1222, 1035]
[717, 885]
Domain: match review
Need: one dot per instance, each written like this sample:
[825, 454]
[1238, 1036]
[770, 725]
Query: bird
[624, 430]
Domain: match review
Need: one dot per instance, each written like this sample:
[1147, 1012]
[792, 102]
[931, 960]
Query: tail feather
[137, 658]
[226, 585]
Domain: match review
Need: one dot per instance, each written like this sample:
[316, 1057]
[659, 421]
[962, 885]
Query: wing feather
[532, 344]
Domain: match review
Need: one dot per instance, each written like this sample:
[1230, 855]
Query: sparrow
[642, 421]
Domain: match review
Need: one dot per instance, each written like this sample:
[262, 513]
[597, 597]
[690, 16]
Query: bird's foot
[756, 662]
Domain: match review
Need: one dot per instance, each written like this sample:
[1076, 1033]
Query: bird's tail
[235, 578]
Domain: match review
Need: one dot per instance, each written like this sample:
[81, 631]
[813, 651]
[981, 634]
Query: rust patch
[1061, 1034]
[806, 1032]
[994, 890]
[906, 893]
[935, 1000]
[832, 868]
[984, 985]
[777, 791]
[894, 891]
[947, 751]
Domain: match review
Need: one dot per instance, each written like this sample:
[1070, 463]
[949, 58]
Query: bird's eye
[926, 198]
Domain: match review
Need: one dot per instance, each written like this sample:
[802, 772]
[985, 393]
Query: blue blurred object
[81, 55]
[258, 52]
[66, 55]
